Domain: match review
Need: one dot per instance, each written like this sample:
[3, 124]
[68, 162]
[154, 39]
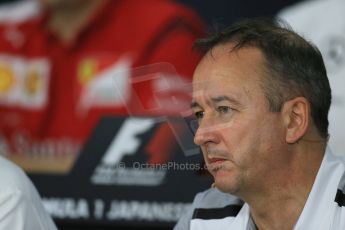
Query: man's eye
[224, 109]
[199, 114]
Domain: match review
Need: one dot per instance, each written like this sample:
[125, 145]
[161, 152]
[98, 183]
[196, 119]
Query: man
[261, 96]
[20, 204]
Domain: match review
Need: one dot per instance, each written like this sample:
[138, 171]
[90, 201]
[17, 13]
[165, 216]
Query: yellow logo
[6, 79]
[86, 70]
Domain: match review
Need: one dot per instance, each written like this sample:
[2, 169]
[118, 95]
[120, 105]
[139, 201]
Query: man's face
[240, 138]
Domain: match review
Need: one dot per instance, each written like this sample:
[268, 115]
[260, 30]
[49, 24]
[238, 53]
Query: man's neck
[281, 204]
[280, 214]
[66, 22]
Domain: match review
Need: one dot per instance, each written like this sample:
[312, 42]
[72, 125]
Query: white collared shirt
[20, 204]
[324, 209]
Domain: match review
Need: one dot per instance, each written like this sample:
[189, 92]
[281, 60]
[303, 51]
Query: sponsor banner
[24, 82]
[70, 208]
[133, 171]
[98, 85]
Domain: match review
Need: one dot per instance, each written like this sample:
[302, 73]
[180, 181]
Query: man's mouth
[215, 160]
[214, 164]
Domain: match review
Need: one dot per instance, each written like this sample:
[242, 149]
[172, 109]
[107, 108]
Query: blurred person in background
[58, 62]
[20, 204]
[323, 23]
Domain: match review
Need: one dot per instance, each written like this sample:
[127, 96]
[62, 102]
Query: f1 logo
[126, 141]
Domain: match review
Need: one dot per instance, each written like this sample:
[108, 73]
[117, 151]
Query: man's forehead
[217, 95]
[231, 52]
[237, 78]
[215, 90]
[221, 66]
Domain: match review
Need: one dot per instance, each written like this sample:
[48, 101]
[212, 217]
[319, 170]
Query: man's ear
[296, 115]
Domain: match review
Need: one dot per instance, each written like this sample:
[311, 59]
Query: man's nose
[206, 132]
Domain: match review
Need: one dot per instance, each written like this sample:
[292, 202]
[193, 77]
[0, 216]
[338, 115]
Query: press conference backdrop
[112, 184]
[148, 180]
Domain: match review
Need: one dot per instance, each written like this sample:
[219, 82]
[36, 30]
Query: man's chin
[225, 186]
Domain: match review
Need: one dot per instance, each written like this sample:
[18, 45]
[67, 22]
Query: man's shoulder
[11, 176]
[210, 208]
[16, 188]
[337, 162]
[214, 204]
[341, 187]
[20, 202]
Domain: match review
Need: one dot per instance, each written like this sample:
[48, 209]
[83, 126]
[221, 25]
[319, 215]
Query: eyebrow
[194, 104]
[218, 99]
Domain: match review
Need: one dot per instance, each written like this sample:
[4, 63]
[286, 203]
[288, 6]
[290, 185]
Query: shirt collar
[320, 200]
